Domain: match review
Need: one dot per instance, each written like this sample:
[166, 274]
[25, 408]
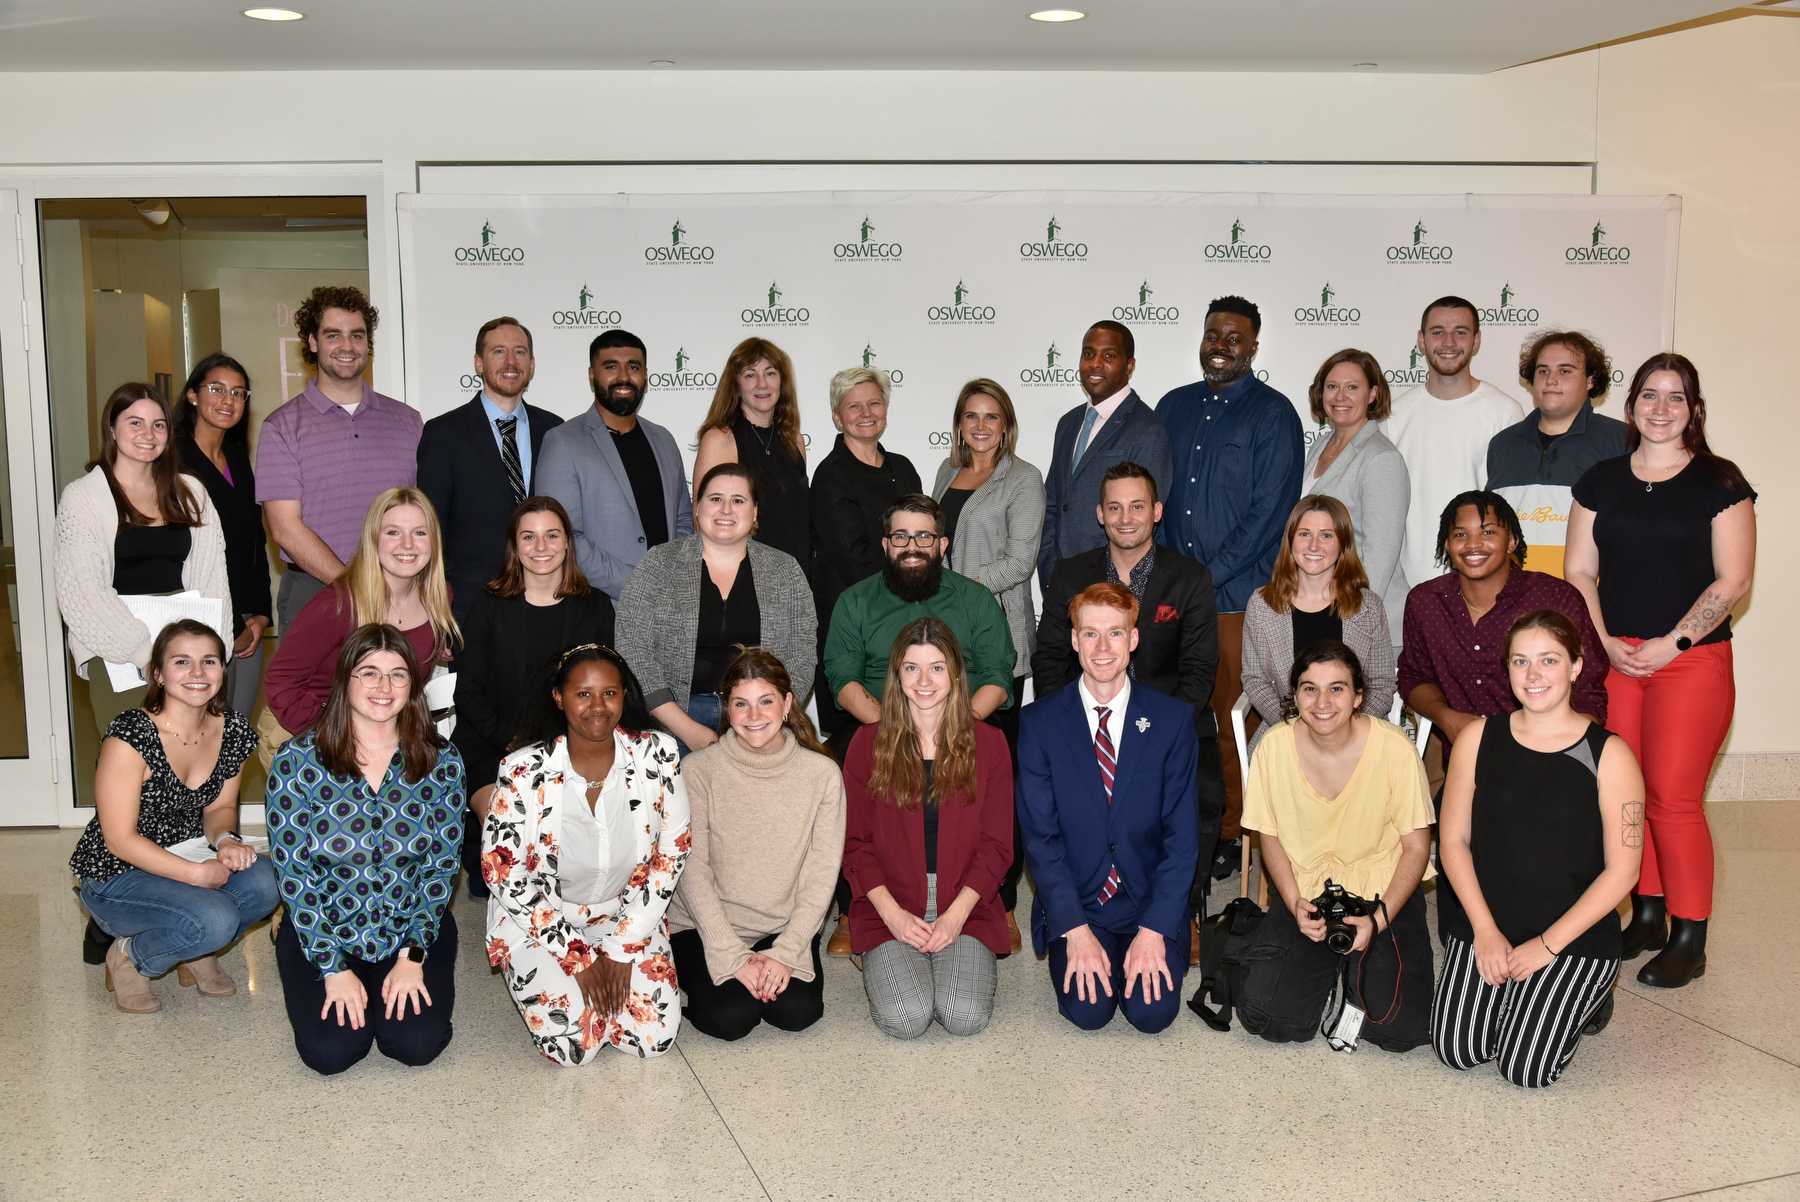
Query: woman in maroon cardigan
[927, 842]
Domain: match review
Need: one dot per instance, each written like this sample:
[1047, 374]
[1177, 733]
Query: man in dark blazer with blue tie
[476, 462]
[1112, 426]
[1106, 803]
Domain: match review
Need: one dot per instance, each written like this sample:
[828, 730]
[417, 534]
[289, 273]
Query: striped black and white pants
[1530, 1027]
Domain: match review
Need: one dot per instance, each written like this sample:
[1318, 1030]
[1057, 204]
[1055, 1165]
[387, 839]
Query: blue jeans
[170, 921]
[704, 709]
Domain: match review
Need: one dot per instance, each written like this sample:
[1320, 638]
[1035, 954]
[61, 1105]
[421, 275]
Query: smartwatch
[415, 954]
[1683, 642]
[224, 835]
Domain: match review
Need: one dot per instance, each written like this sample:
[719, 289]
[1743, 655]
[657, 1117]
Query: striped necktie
[509, 455]
[1109, 765]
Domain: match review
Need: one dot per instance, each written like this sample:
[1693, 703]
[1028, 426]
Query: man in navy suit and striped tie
[1105, 795]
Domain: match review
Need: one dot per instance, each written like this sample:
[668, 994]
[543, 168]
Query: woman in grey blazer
[993, 505]
[689, 604]
[1361, 468]
[1318, 590]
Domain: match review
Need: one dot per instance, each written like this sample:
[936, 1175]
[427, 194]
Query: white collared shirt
[598, 851]
[1115, 718]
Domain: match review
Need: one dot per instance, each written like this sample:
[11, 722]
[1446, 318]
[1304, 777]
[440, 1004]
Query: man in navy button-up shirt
[1239, 453]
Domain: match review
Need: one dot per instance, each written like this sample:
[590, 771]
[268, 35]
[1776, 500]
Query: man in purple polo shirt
[325, 455]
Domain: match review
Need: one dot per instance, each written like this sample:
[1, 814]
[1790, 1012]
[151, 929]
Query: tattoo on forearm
[1631, 830]
[1707, 613]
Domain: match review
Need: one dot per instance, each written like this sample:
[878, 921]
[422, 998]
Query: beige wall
[1709, 113]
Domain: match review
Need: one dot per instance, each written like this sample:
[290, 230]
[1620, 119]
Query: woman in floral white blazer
[586, 837]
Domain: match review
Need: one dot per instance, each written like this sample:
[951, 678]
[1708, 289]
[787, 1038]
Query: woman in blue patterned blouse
[365, 828]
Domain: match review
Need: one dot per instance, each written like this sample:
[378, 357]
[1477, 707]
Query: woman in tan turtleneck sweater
[768, 837]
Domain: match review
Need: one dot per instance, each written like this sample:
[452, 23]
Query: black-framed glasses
[218, 389]
[901, 538]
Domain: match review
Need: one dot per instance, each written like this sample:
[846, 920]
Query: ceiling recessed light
[1057, 14]
[1364, 66]
[273, 14]
[662, 62]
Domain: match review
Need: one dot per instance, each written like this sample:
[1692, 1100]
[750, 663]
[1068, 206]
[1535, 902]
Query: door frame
[23, 352]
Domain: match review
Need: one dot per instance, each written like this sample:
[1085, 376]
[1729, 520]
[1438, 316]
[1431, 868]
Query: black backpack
[1223, 939]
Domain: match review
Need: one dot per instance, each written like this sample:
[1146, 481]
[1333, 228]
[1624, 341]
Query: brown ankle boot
[839, 944]
[205, 974]
[131, 992]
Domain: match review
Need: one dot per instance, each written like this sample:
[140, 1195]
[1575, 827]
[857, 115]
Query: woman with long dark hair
[755, 421]
[167, 909]
[212, 424]
[928, 840]
[133, 525]
[586, 835]
[1662, 545]
[768, 831]
[365, 821]
[518, 624]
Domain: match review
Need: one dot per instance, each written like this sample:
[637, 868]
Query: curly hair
[339, 296]
[1485, 502]
[1595, 363]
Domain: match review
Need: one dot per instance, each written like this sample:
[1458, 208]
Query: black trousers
[1211, 791]
[730, 1011]
[328, 1048]
[1289, 977]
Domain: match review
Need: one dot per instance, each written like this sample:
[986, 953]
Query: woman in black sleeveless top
[755, 421]
[1541, 835]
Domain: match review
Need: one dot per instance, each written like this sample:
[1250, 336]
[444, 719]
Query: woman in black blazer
[520, 624]
[212, 437]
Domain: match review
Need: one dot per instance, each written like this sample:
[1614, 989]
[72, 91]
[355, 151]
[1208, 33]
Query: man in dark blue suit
[1106, 792]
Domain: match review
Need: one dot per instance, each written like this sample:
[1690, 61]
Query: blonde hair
[960, 454]
[850, 377]
[364, 587]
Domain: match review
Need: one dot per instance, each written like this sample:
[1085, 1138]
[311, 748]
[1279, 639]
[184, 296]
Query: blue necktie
[1087, 430]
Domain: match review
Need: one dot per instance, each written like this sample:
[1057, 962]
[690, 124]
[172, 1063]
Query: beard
[619, 406]
[1220, 377]
[915, 582]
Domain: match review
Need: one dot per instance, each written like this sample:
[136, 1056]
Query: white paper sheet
[156, 612]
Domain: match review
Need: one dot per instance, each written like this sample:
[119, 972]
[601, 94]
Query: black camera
[1335, 905]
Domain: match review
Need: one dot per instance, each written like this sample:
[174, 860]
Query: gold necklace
[199, 736]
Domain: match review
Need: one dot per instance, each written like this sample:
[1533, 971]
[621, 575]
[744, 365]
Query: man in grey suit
[619, 476]
[1112, 427]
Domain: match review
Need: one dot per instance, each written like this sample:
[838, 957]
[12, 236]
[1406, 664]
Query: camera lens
[1340, 940]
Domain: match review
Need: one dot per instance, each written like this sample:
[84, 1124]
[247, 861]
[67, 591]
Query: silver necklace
[768, 444]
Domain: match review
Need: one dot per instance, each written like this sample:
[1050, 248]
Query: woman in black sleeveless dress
[755, 421]
[1541, 835]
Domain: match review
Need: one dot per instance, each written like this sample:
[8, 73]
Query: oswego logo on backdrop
[866, 249]
[1326, 313]
[896, 377]
[585, 316]
[1240, 249]
[1412, 373]
[1597, 250]
[1054, 248]
[1508, 314]
[958, 313]
[1146, 314]
[679, 249]
[1050, 374]
[1419, 250]
[683, 380]
[775, 313]
[490, 253]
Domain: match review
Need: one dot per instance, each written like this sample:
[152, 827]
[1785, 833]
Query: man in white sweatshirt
[1443, 426]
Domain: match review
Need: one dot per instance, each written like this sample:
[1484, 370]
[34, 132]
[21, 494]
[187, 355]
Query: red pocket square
[1167, 613]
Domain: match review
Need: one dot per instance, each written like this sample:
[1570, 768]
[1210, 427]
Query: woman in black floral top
[162, 909]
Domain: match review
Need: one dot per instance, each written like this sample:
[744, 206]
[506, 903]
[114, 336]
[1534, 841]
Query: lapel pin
[1143, 724]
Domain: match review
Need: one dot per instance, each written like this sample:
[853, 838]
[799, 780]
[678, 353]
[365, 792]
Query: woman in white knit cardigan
[134, 524]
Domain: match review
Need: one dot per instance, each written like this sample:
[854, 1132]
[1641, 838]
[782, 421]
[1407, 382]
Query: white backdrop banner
[938, 288]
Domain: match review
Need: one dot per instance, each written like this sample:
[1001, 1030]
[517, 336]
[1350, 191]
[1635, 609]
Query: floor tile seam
[1713, 1189]
[724, 1122]
[1708, 1026]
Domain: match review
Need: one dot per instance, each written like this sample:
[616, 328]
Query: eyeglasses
[237, 394]
[371, 678]
[901, 538]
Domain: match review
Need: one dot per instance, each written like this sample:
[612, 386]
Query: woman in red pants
[1662, 543]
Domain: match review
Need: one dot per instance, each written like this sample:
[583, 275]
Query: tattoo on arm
[1706, 613]
[1631, 831]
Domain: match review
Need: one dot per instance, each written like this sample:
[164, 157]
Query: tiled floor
[1691, 1091]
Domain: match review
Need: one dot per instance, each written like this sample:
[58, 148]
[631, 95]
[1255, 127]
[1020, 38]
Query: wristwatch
[224, 835]
[1683, 642]
[415, 954]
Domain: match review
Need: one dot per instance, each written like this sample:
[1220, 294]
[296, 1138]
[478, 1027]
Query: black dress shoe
[94, 944]
[1682, 960]
[1228, 859]
[1648, 930]
[1601, 1018]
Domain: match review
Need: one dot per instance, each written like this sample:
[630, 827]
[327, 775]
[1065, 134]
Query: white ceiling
[1450, 36]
